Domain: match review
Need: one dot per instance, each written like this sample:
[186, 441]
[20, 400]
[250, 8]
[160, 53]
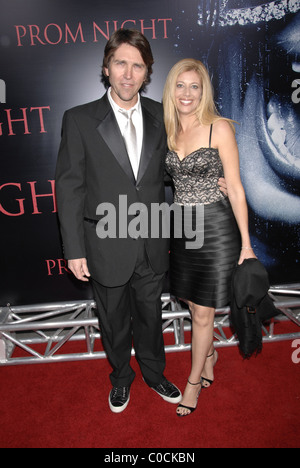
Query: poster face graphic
[50, 60]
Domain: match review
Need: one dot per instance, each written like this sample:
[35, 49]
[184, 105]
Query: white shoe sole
[118, 409]
[168, 399]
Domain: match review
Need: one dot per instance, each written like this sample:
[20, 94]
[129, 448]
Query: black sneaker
[119, 398]
[168, 392]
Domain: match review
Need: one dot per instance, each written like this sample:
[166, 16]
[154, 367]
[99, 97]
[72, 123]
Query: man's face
[127, 72]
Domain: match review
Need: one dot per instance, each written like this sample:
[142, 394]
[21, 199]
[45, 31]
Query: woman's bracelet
[247, 248]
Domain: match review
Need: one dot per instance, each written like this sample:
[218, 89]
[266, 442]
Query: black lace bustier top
[196, 177]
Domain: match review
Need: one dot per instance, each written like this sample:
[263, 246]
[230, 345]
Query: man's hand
[78, 267]
[222, 185]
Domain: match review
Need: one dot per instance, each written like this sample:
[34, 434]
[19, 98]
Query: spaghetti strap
[211, 126]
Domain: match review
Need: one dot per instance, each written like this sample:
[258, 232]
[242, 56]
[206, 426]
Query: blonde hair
[206, 112]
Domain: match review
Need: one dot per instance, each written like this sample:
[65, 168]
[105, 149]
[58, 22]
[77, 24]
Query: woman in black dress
[202, 148]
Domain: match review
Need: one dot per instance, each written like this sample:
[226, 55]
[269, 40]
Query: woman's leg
[208, 370]
[202, 346]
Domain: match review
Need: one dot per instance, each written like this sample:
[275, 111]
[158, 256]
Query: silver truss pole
[57, 324]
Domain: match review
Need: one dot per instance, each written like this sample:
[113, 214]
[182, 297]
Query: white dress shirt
[137, 118]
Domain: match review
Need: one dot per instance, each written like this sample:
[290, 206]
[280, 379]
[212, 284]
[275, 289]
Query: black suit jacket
[92, 168]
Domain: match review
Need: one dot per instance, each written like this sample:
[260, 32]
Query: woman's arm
[224, 140]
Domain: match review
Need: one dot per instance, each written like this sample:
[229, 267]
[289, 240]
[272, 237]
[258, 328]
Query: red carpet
[253, 403]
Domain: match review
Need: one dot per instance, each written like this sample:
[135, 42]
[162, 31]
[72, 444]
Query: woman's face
[188, 92]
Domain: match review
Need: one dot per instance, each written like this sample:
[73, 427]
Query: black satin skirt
[202, 273]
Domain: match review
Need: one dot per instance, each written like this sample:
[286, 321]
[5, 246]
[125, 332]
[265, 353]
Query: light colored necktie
[130, 138]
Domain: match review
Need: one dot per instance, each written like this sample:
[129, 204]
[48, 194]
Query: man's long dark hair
[134, 38]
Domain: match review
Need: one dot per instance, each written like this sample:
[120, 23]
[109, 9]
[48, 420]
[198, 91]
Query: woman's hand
[246, 253]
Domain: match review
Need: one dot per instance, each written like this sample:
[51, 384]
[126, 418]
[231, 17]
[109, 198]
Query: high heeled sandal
[191, 410]
[204, 378]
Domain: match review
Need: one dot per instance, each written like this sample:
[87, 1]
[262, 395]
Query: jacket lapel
[151, 125]
[110, 132]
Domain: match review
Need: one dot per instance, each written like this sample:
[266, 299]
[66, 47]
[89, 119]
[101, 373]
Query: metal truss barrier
[54, 326]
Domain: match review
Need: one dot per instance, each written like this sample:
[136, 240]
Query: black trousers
[132, 315]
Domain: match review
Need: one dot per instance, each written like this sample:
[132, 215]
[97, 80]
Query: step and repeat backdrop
[50, 60]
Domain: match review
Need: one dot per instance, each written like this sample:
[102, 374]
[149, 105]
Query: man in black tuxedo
[95, 166]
